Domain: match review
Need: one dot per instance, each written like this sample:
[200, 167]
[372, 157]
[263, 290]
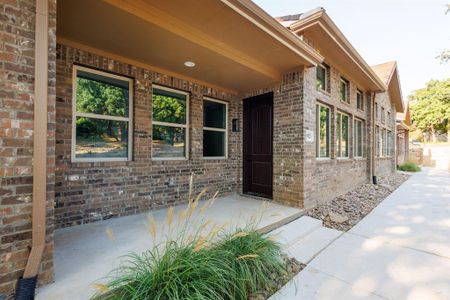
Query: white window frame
[76, 114]
[359, 92]
[217, 129]
[355, 141]
[338, 129]
[318, 105]
[185, 126]
[325, 87]
[347, 90]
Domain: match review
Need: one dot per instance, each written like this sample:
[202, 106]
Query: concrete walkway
[401, 250]
[85, 254]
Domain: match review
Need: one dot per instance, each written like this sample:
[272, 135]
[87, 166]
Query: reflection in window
[214, 128]
[102, 116]
[170, 115]
[322, 131]
[344, 90]
[359, 138]
[359, 100]
[321, 77]
[342, 130]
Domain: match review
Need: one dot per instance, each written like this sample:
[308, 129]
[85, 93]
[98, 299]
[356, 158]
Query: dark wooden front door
[258, 153]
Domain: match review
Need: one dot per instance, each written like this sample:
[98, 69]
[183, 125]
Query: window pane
[102, 95]
[344, 142]
[214, 114]
[321, 77]
[323, 131]
[213, 143]
[338, 135]
[343, 91]
[168, 141]
[169, 107]
[96, 138]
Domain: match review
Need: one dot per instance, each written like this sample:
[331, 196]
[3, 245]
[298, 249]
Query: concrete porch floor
[85, 254]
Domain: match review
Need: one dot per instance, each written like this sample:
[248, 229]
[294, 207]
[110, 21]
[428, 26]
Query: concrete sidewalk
[401, 250]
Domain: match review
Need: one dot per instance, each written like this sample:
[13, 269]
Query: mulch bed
[343, 212]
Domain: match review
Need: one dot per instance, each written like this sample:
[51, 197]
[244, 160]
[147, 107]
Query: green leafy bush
[409, 167]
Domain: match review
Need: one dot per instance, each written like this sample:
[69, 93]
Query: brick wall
[325, 178]
[17, 34]
[110, 189]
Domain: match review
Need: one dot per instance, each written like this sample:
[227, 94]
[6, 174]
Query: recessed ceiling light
[189, 64]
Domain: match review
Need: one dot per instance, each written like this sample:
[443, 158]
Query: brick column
[288, 140]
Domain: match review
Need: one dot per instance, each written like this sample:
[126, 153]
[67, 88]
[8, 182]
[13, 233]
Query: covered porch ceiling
[330, 42]
[233, 43]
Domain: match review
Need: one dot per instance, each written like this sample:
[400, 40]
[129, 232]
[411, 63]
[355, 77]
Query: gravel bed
[293, 267]
[343, 212]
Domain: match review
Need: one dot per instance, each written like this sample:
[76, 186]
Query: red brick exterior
[17, 34]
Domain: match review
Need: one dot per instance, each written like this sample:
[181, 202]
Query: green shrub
[409, 167]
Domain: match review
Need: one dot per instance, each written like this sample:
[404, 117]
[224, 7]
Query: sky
[412, 32]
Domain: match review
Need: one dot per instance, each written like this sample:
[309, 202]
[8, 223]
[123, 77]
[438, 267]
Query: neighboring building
[387, 105]
[107, 107]
[403, 125]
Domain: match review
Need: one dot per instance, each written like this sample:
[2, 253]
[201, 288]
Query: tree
[103, 99]
[430, 108]
[171, 110]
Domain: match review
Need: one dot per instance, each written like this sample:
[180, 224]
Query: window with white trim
[102, 116]
[342, 134]
[358, 145]
[377, 142]
[215, 127]
[322, 77]
[322, 131]
[359, 100]
[384, 142]
[170, 121]
[344, 90]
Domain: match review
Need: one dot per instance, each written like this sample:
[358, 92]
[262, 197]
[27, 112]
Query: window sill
[344, 159]
[324, 92]
[169, 159]
[215, 158]
[323, 159]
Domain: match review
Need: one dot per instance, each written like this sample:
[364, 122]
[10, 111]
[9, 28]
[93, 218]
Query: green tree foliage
[103, 99]
[430, 107]
[171, 110]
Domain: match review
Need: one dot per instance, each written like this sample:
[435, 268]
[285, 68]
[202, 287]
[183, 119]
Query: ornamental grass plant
[194, 258]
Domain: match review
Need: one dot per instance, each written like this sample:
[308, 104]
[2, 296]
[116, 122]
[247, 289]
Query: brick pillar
[288, 140]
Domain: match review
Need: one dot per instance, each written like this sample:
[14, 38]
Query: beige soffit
[234, 44]
[327, 38]
[388, 72]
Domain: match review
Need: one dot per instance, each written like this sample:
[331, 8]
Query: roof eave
[267, 23]
[319, 17]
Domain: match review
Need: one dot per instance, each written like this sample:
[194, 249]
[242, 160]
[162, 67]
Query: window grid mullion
[102, 117]
[169, 124]
[215, 129]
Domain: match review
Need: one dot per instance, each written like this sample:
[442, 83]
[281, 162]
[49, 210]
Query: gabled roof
[388, 72]
[329, 41]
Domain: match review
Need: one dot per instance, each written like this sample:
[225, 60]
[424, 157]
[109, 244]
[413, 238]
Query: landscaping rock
[338, 218]
[344, 211]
